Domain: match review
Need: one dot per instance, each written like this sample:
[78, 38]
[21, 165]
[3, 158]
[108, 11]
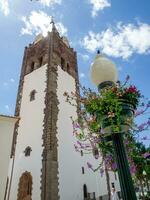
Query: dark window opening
[82, 170]
[112, 185]
[62, 63]
[81, 153]
[32, 66]
[85, 194]
[40, 61]
[68, 68]
[32, 95]
[27, 151]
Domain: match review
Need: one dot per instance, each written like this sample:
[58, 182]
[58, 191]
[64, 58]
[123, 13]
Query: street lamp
[104, 74]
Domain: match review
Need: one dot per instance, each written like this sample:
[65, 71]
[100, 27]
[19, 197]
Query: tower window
[68, 68]
[32, 95]
[112, 185]
[40, 61]
[81, 153]
[32, 66]
[27, 151]
[62, 63]
[85, 194]
[82, 170]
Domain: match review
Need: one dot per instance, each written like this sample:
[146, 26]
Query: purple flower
[142, 126]
[139, 112]
[101, 172]
[146, 155]
[76, 125]
[148, 104]
[89, 165]
[80, 144]
[114, 166]
[144, 138]
[148, 122]
[132, 168]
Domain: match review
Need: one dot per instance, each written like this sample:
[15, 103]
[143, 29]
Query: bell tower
[38, 108]
[44, 164]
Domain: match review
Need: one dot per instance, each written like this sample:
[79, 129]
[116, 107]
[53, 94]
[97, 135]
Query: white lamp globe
[103, 70]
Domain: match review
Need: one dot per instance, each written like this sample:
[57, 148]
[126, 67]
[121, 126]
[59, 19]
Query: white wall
[30, 133]
[71, 179]
[6, 135]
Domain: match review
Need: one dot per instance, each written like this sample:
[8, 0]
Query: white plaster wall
[30, 132]
[6, 135]
[71, 179]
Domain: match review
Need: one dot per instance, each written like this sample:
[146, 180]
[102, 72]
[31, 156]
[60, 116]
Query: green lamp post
[104, 74]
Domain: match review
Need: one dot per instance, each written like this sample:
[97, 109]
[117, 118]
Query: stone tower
[44, 164]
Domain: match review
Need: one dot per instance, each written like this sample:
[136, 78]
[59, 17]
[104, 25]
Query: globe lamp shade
[103, 71]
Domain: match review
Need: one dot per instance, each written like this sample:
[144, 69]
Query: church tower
[44, 164]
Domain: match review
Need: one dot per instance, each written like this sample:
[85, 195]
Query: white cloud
[7, 107]
[98, 5]
[39, 22]
[122, 41]
[50, 3]
[12, 80]
[84, 57]
[4, 7]
[82, 75]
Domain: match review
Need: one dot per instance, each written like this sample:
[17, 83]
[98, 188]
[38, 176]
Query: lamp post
[103, 74]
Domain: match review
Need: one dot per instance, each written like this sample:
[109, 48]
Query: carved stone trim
[18, 102]
[49, 177]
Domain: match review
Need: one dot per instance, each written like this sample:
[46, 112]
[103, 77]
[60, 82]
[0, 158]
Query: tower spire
[53, 24]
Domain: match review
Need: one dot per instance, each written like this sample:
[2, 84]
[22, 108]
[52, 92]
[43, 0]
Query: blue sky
[119, 28]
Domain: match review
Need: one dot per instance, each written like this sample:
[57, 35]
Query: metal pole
[126, 184]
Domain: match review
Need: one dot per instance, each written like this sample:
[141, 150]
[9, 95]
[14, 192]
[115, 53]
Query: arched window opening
[62, 63]
[32, 95]
[27, 151]
[25, 187]
[40, 61]
[68, 68]
[82, 170]
[85, 194]
[32, 66]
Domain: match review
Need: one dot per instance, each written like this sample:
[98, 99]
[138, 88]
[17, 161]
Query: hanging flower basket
[122, 123]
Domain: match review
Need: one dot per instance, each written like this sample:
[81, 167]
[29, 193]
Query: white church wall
[71, 179]
[6, 136]
[30, 133]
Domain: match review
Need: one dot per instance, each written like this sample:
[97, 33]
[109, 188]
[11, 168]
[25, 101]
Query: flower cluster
[99, 111]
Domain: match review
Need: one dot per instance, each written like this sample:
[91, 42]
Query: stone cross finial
[53, 24]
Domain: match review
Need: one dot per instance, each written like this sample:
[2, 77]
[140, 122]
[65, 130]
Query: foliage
[117, 104]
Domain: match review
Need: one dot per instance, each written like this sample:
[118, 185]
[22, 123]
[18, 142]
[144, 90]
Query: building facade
[7, 124]
[46, 166]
